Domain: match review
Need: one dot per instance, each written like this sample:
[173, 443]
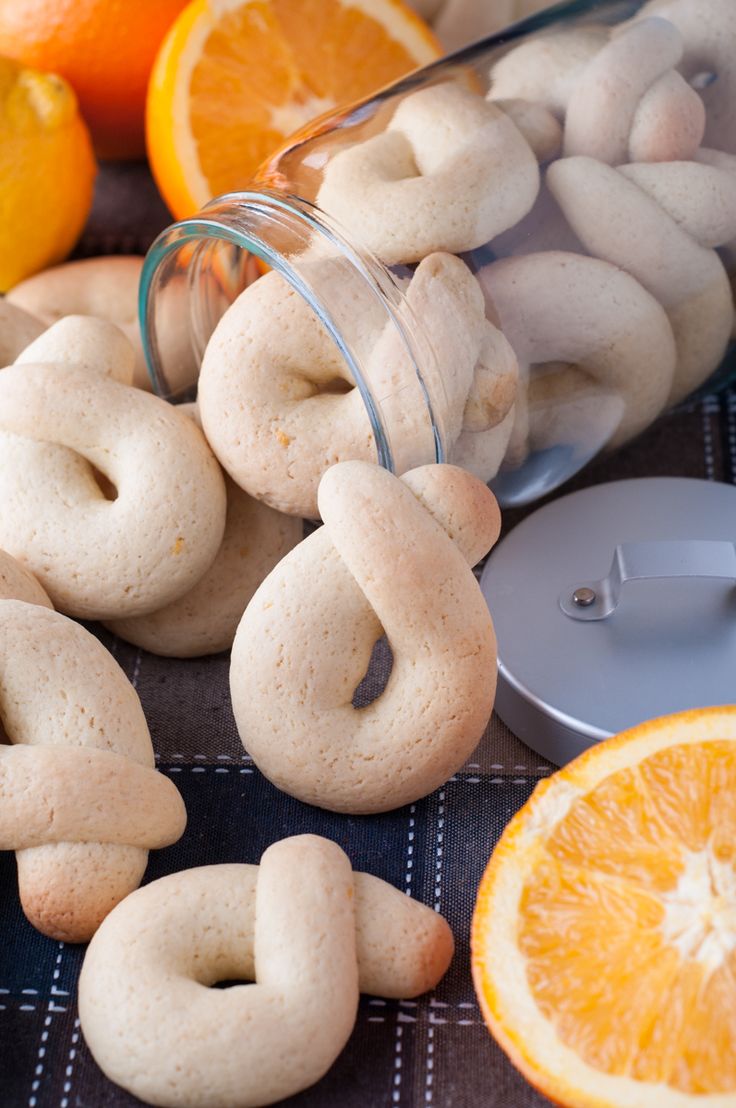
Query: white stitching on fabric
[429, 1080]
[396, 1091]
[136, 670]
[203, 769]
[439, 851]
[409, 873]
[36, 1083]
[508, 780]
[433, 1003]
[711, 407]
[64, 1103]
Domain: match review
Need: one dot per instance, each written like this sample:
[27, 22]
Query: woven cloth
[433, 1052]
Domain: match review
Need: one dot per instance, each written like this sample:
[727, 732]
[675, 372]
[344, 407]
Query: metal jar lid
[614, 605]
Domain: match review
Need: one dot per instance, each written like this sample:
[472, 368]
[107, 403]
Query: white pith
[700, 914]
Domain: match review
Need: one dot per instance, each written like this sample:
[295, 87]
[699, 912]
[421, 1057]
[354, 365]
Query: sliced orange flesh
[234, 79]
[604, 938]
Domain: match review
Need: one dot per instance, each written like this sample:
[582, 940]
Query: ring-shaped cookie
[17, 329]
[104, 554]
[556, 307]
[449, 173]
[389, 559]
[277, 401]
[302, 924]
[18, 583]
[205, 619]
[84, 342]
[687, 279]
[81, 800]
[106, 288]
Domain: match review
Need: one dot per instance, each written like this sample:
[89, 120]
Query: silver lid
[614, 605]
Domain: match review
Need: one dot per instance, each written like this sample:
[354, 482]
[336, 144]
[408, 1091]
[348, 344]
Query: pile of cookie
[591, 192]
[116, 509]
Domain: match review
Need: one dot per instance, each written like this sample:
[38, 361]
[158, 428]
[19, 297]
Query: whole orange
[104, 48]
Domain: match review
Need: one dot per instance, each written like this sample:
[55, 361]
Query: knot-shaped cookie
[278, 403]
[665, 255]
[308, 930]
[80, 801]
[393, 557]
[621, 99]
[595, 349]
[110, 496]
[449, 173]
[708, 31]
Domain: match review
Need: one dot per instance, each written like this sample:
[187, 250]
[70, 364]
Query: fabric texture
[434, 1052]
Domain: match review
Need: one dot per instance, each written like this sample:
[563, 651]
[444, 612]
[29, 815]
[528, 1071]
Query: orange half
[604, 934]
[234, 78]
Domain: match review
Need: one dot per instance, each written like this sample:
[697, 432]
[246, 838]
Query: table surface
[431, 1052]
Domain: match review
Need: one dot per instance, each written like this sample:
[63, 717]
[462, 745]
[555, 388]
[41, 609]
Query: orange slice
[234, 78]
[604, 934]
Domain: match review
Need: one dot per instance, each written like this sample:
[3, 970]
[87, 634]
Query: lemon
[47, 171]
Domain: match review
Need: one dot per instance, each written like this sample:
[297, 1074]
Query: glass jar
[514, 259]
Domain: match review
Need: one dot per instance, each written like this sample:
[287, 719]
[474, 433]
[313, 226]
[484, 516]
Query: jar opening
[196, 270]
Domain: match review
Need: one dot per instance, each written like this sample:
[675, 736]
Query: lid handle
[639, 561]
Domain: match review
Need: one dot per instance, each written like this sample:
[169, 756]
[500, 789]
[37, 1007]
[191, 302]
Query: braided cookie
[106, 288]
[277, 401]
[308, 930]
[449, 173]
[639, 235]
[81, 803]
[205, 619]
[17, 330]
[118, 506]
[16, 583]
[393, 557]
[574, 321]
[620, 99]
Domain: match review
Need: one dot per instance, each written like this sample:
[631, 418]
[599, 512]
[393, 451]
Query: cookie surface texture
[393, 557]
[205, 619]
[18, 583]
[80, 800]
[307, 929]
[111, 497]
[450, 172]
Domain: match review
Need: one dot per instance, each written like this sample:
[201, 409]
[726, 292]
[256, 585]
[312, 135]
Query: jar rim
[240, 219]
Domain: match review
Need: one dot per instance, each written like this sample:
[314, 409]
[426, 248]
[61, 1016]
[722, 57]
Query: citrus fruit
[47, 171]
[104, 48]
[604, 934]
[233, 78]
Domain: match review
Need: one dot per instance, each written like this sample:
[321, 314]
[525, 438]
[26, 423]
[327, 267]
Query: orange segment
[604, 935]
[234, 78]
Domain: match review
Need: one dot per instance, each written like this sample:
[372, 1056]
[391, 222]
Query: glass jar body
[522, 254]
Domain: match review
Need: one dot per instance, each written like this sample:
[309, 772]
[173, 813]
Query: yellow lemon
[47, 171]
